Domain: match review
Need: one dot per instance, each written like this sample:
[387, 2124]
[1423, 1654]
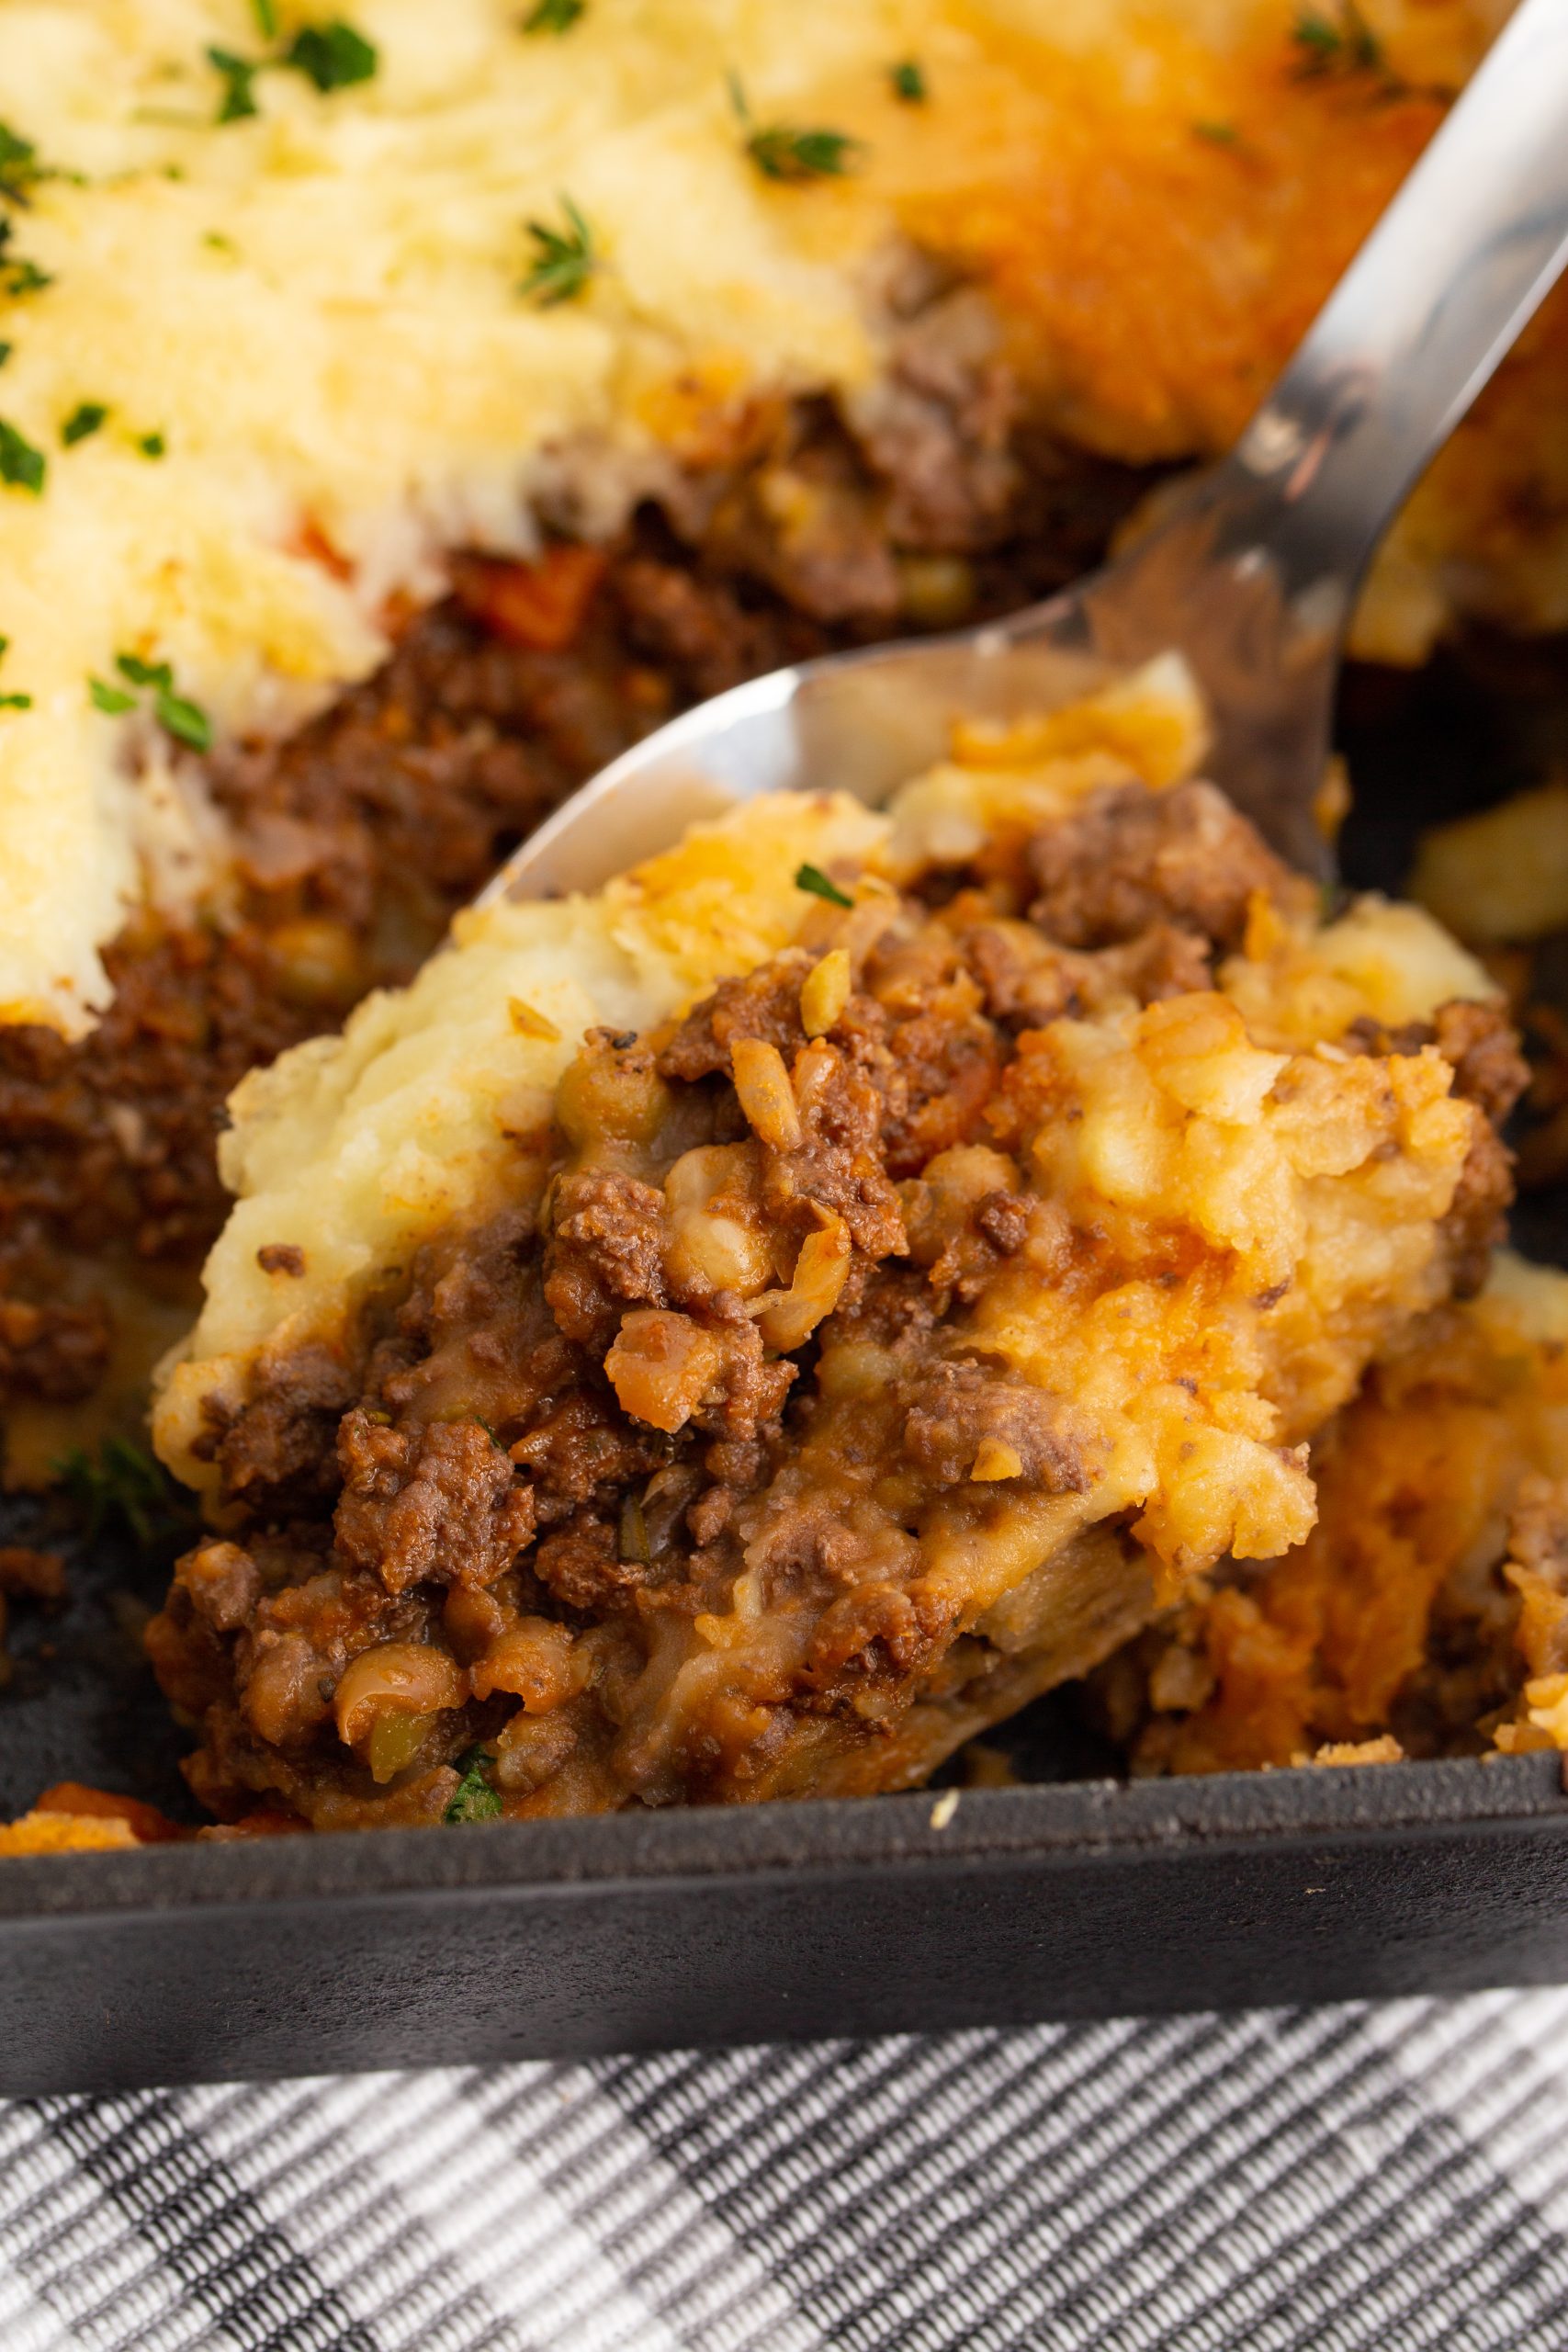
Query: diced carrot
[150, 1826]
[266, 1822]
[312, 541]
[542, 605]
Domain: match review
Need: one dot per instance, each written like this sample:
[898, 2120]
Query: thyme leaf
[144, 674]
[1337, 40]
[909, 81]
[185, 719]
[812, 878]
[20, 166]
[334, 56]
[563, 264]
[21, 465]
[785, 152]
[18, 275]
[554, 16]
[238, 76]
[85, 418]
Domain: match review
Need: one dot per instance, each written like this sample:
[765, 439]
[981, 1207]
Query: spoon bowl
[1251, 572]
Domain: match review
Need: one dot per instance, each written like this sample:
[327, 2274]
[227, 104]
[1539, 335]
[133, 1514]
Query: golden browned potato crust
[1426, 1613]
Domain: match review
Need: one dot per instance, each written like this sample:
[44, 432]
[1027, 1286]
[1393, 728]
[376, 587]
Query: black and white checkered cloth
[1389, 2176]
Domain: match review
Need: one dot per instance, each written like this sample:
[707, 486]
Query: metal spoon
[1251, 574]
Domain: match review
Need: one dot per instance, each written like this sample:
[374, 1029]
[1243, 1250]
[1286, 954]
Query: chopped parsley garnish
[5, 351]
[1337, 40]
[334, 56]
[21, 465]
[17, 275]
[1217, 134]
[23, 277]
[13, 702]
[909, 81]
[812, 878]
[152, 445]
[239, 77]
[20, 166]
[563, 265]
[182, 719]
[84, 419]
[554, 16]
[475, 1799]
[783, 151]
[124, 1486]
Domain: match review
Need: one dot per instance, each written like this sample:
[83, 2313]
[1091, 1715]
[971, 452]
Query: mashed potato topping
[900, 1288]
[264, 373]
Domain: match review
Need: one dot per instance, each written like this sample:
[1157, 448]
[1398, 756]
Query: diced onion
[787, 1318]
[767, 1098]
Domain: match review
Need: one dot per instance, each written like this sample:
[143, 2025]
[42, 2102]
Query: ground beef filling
[535, 1476]
[355, 841]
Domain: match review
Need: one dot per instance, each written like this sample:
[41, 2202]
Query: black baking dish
[1074, 1899]
[556, 1938]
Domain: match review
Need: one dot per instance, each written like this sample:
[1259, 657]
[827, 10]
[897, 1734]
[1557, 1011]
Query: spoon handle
[1470, 246]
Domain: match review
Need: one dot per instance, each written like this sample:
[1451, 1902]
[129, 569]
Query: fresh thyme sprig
[563, 263]
[784, 150]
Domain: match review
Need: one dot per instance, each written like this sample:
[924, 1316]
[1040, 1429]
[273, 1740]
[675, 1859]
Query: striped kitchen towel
[1389, 2176]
